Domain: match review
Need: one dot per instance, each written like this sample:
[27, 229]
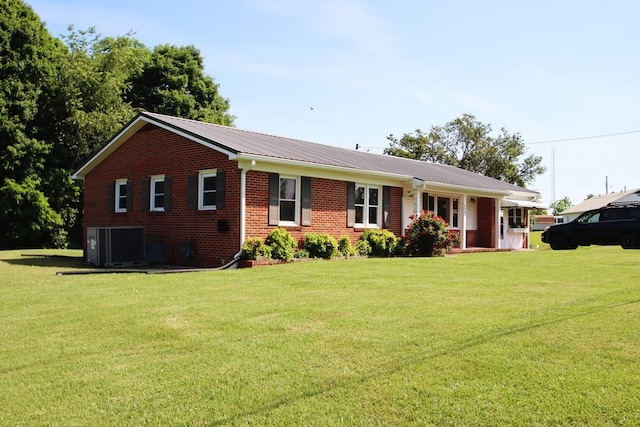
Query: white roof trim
[129, 131]
[508, 203]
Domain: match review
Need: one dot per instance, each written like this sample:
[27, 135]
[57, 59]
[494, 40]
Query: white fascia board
[115, 142]
[465, 189]
[270, 164]
[126, 133]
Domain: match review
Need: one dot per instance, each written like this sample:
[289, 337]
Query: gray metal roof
[242, 142]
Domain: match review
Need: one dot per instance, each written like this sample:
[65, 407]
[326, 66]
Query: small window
[516, 218]
[207, 190]
[288, 200]
[158, 193]
[368, 212]
[121, 195]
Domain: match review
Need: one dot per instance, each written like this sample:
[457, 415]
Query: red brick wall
[153, 151]
[328, 209]
[486, 223]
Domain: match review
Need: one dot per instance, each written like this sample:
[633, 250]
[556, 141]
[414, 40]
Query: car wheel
[630, 241]
[559, 242]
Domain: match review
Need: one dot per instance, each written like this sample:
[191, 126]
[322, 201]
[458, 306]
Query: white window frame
[209, 173]
[296, 200]
[367, 205]
[118, 195]
[152, 193]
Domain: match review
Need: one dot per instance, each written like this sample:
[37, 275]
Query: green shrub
[282, 244]
[301, 254]
[382, 242]
[428, 235]
[320, 245]
[254, 247]
[363, 247]
[345, 247]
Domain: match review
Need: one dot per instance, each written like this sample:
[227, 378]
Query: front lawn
[519, 338]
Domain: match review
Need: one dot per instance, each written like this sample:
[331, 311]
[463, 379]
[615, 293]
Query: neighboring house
[184, 192]
[600, 201]
[540, 222]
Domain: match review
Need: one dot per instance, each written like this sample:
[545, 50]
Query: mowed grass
[520, 339]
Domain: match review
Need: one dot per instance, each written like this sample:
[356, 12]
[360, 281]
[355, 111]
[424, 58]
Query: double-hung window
[289, 196]
[368, 209]
[207, 190]
[516, 218]
[121, 195]
[157, 193]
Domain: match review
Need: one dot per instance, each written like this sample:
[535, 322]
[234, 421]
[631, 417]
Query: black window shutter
[351, 204]
[220, 189]
[129, 195]
[111, 197]
[386, 208]
[306, 200]
[192, 192]
[274, 199]
[167, 193]
[146, 183]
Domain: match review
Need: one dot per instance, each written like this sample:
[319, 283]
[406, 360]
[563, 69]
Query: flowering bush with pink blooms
[428, 235]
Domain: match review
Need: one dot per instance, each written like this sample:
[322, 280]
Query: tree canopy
[173, 82]
[62, 99]
[560, 206]
[29, 61]
[468, 144]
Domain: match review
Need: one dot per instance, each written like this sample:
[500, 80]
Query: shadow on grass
[59, 261]
[414, 359]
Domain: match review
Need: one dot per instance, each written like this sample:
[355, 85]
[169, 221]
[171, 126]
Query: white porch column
[417, 202]
[463, 225]
[498, 209]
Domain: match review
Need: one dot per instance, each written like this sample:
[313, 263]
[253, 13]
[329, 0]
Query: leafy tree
[560, 206]
[29, 59]
[173, 82]
[467, 143]
[87, 108]
[61, 100]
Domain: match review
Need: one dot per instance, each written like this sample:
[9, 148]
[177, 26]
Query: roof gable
[601, 200]
[242, 144]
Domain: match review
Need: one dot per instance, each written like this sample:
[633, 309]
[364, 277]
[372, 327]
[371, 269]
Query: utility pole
[606, 184]
[553, 175]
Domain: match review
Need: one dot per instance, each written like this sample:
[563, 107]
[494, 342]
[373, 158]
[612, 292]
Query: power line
[582, 137]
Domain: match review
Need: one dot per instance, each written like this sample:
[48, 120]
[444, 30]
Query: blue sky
[551, 70]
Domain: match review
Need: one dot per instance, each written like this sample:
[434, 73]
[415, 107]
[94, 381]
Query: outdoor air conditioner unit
[115, 245]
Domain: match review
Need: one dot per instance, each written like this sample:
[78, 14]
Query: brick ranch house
[183, 192]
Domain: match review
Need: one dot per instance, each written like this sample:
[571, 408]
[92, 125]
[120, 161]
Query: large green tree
[87, 109]
[61, 100]
[29, 69]
[468, 144]
[173, 82]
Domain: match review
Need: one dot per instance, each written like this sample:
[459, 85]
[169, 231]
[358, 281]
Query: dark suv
[614, 224]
